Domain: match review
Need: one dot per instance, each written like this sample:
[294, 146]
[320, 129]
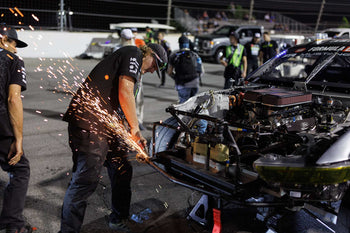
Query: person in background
[149, 38]
[186, 34]
[253, 48]
[12, 159]
[165, 44]
[127, 37]
[111, 83]
[268, 49]
[235, 61]
[185, 67]
[138, 42]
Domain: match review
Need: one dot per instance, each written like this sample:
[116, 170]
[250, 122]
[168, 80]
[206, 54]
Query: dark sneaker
[119, 225]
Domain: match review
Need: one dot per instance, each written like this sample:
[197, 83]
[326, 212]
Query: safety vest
[149, 37]
[237, 55]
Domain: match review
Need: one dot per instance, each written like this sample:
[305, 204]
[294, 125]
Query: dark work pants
[252, 65]
[89, 155]
[16, 190]
[163, 77]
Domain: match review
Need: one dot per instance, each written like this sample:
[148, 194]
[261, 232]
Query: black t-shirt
[269, 50]
[252, 50]
[102, 84]
[12, 71]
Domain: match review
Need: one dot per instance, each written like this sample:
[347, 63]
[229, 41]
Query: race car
[279, 140]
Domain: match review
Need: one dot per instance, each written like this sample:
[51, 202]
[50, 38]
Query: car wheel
[218, 54]
[165, 137]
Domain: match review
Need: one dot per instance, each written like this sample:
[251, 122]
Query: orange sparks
[106, 76]
[10, 56]
[12, 11]
[19, 12]
[34, 17]
[2, 15]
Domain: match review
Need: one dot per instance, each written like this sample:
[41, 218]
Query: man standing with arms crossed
[12, 159]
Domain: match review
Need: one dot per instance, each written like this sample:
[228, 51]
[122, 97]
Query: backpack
[187, 65]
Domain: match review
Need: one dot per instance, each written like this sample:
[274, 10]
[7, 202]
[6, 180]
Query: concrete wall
[55, 44]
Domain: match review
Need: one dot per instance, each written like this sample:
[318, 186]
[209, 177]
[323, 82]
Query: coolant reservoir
[200, 151]
[219, 153]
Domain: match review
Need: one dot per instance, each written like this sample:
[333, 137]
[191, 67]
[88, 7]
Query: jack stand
[200, 210]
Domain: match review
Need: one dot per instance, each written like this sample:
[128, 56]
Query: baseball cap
[234, 34]
[127, 34]
[133, 29]
[12, 34]
[160, 57]
[257, 35]
[184, 42]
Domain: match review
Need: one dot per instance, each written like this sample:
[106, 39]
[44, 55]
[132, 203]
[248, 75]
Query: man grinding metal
[113, 82]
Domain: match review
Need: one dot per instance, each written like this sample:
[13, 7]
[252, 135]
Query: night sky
[104, 12]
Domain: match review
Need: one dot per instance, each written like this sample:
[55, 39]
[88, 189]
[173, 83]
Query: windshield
[224, 31]
[331, 34]
[318, 69]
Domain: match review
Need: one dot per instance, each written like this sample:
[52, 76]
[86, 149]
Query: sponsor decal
[347, 49]
[326, 48]
[134, 65]
[23, 71]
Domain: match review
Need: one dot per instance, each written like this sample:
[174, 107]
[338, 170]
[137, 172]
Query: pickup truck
[212, 45]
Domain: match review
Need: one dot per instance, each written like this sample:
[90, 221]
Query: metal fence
[96, 15]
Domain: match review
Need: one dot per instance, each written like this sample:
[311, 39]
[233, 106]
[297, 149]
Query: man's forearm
[15, 108]
[127, 101]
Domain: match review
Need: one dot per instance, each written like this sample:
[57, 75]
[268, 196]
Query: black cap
[12, 34]
[183, 40]
[160, 56]
[234, 34]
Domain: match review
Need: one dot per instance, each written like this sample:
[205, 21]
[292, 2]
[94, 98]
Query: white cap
[257, 35]
[127, 34]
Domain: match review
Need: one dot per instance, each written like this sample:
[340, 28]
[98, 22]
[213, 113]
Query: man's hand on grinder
[142, 142]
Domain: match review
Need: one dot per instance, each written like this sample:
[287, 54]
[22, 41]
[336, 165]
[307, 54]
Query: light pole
[319, 15]
[168, 14]
[251, 10]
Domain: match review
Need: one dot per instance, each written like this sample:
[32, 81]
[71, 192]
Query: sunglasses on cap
[161, 65]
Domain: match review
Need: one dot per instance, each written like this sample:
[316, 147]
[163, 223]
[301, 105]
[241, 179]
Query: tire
[219, 52]
[165, 137]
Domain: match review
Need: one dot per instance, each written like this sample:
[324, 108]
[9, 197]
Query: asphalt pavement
[46, 146]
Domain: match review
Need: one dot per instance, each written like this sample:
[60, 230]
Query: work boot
[119, 226]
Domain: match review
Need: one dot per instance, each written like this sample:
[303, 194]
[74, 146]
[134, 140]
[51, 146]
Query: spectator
[232, 9]
[205, 15]
[185, 67]
[165, 44]
[138, 42]
[235, 61]
[268, 49]
[224, 16]
[12, 158]
[127, 37]
[267, 17]
[218, 16]
[149, 38]
[252, 48]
